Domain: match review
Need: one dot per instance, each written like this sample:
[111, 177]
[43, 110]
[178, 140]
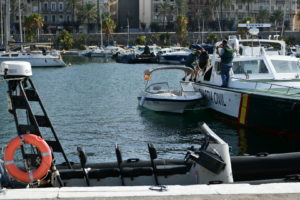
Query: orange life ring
[34, 175]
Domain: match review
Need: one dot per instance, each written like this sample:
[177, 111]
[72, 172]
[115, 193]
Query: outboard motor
[15, 69]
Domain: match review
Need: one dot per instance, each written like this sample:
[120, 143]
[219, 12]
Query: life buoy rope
[42, 147]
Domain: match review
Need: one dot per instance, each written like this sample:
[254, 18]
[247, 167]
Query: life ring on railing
[42, 147]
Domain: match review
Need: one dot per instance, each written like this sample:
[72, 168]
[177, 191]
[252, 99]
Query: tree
[181, 28]
[72, 4]
[33, 23]
[248, 6]
[263, 16]
[65, 39]
[277, 18]
[180, 6]
[141, 40]
[109, 27]
[164, 11]
[212, 38]
[87, 13]
[215, 4]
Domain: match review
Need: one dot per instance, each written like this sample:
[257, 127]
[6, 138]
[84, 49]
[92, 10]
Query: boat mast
[1, 22]
[101, 38]
[20, 23]
[128, 32]
[7, 23]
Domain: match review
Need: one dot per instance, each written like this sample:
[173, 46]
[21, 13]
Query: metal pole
[128, 32]
[7, 24]
[20, 23]
[1, 23]
[101, 37]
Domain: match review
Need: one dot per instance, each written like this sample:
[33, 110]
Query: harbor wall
[153, 38]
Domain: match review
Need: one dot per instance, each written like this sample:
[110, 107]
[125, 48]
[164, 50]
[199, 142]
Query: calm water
[93, 104]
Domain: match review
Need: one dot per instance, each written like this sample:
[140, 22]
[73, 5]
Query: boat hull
[170, 105]
[38, 62]
[256, 110]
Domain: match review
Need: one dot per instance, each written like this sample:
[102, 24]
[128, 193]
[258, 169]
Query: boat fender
[29, 176]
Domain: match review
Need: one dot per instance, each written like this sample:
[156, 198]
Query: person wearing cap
[226, 55]
[192, 62]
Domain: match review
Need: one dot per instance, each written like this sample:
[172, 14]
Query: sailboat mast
[101, 37]
[1, 22]
[20, 22]
[7, 23]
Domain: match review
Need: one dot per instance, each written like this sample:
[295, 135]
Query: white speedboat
[36, 59]
[263, 91]
[159, 97]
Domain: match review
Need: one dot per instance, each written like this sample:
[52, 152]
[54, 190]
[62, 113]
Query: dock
[272, 191]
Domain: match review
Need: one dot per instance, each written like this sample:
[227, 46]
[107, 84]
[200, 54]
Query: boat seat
[132, 171]
[66, 174]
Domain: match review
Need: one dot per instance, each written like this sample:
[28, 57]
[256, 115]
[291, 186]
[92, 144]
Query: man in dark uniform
[226, 55]
[203, 60]
[191, 61]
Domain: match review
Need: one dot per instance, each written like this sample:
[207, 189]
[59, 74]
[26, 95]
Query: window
[53, 18]
[53, 6]
[46, 18]
[61, 18]
[284, 66]
[250, 67]
[61, 6]
[45, 6]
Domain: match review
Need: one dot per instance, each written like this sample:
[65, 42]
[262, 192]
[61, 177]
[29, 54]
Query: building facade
[128, 15]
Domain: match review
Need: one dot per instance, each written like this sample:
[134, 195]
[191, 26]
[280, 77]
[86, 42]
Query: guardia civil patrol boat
[38, 145]
[264, 86]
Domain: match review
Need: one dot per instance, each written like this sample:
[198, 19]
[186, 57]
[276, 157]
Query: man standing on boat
[203, 60]
[226, 55]
[192, 62]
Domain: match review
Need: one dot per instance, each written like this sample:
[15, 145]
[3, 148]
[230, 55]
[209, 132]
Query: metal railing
[271, 87]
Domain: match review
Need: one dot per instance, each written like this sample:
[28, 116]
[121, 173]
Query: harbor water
[93, 104]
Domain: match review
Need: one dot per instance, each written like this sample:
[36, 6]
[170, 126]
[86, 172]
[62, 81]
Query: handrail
[288, 88]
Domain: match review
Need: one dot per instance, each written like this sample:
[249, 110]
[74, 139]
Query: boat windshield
[249, 67]
[286, 66]
[158, 88]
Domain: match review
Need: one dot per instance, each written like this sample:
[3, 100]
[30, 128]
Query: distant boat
[39, 56]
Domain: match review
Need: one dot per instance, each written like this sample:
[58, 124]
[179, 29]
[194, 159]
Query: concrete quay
[272, 191]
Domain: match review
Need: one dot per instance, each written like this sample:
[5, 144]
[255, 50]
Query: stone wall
[122, 38]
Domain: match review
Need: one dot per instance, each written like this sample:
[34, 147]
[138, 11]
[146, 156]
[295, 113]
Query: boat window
[286, 66]
[4, 55]
[158, 88]
[250, 67]
[14, 55]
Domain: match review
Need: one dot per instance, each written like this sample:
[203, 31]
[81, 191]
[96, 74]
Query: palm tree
[180, 6]
[33, 23]
[164, 11]
[277, 18]
[72, 4]
[262, 16]
[248, 7]
[181, 28]
[214, 4]
[87, 13]
[108, 27]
